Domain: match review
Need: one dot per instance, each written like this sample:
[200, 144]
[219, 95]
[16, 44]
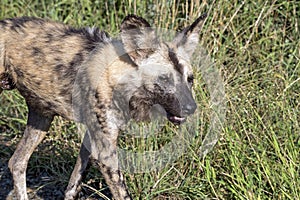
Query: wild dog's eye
[190, 79]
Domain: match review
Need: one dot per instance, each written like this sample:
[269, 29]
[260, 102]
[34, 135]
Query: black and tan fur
[54, 66]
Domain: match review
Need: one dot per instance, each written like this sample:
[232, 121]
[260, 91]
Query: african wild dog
[42, 60]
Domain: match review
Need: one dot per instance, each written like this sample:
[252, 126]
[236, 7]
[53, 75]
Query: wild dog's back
[43, 57]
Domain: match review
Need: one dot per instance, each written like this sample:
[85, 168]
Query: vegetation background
[256, 47]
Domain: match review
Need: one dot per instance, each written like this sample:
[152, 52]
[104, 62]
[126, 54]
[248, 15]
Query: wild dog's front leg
[109, 169]
[35, 131]
[115, 180]
[104, 150]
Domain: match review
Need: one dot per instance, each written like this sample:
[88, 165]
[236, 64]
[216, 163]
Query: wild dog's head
[165, 75]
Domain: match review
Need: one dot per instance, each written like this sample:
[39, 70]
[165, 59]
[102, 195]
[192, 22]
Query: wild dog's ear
[138, 38]
[188, 38]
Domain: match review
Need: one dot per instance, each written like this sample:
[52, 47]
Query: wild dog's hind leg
[37, 126]
[81, 164]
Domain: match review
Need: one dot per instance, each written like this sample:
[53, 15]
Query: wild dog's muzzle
[179, 105]
[176, 103]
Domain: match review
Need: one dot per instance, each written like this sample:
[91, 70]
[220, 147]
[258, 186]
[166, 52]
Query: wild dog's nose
[190, 108]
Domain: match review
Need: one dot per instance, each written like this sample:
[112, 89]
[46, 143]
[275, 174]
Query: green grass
[255, 45]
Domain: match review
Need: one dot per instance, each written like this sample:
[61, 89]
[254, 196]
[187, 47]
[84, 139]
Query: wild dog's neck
[112, 75]
[108, 63]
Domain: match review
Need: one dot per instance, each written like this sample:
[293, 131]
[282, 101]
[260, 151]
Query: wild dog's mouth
[175, 119]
